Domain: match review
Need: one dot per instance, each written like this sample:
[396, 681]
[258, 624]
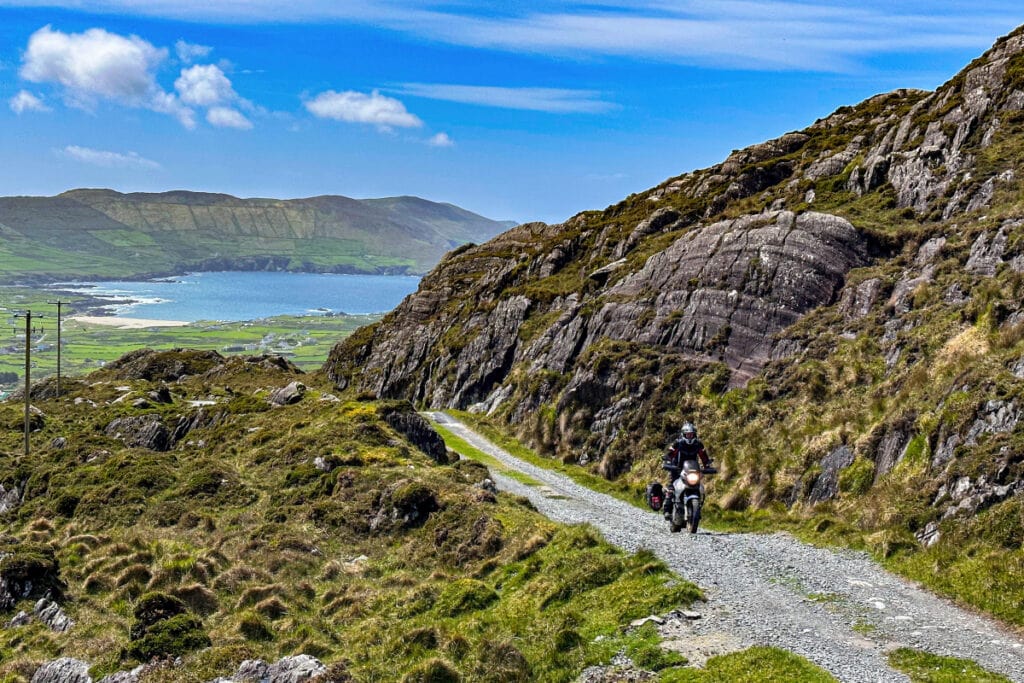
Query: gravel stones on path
[837, 608]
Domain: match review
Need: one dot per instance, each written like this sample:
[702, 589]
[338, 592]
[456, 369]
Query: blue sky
[517, 110]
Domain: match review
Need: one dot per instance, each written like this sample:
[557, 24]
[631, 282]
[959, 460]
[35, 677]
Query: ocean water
[231, 296]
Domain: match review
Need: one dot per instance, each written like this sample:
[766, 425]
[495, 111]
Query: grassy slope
[266, 549]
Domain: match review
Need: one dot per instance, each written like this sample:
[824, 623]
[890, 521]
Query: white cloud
[356, 107]
[189, 52]
[26, 101]
[225, 117]
[93, 64]
[204, 86]
[98, 157]
[98, 65]
[441, 140]
[795, 34]
[552, 100]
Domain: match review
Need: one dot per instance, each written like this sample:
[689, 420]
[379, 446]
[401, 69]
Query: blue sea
[231, 296]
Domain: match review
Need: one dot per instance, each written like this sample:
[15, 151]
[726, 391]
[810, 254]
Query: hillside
[839, 310]
[102, 233]
[188, 517]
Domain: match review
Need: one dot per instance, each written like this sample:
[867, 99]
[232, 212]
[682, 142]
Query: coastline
[127, 323]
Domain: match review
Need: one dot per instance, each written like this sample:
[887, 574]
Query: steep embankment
[109, 234]
[840, 310]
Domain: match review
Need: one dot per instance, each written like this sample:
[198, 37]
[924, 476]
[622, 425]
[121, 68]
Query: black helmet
[688, 433]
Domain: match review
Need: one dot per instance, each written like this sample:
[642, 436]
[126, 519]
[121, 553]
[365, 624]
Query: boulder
[63, 670]
[51, 614]
[288, 395]
[160, 395]
[9, 499]
[295, 669]
[141, 431]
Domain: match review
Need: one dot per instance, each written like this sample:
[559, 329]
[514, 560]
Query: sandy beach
[127, 323]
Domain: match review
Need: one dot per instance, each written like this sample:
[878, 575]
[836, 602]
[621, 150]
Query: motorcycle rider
[686, 447]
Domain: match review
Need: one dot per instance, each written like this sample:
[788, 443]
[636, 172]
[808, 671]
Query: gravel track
[837, 608]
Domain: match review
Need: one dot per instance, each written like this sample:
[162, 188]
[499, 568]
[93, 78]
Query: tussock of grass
[924, 667]
[756, 665]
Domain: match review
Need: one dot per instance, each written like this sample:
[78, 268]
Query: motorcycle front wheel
[693, 508]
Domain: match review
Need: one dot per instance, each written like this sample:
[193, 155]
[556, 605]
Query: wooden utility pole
[27, 315]
[58, 303]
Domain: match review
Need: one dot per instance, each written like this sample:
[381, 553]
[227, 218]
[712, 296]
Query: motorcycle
[684, 499]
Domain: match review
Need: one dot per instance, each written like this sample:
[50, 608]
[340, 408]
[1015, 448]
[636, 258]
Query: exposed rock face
[141, 431]
[718, 293]
[52, 614]
[203, 418]
[420, 433]
[295, 669]
[9, 500]
[725, 290]
[64, 670]
[826, 486]
[27, 571]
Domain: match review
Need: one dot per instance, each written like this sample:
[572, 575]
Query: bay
[234, 296]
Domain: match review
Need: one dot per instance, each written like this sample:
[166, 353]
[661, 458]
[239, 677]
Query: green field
[304, 340]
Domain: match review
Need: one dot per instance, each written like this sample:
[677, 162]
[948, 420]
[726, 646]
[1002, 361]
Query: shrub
[154, 607]
[170, 638]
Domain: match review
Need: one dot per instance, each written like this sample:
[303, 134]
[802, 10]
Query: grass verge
[924, 667]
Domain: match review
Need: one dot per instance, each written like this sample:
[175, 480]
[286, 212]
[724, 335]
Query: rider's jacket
[681, 451]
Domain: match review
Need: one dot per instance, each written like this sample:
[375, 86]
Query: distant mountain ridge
[104, 233]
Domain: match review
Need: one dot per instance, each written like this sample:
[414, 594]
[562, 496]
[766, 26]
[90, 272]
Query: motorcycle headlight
[693, 478]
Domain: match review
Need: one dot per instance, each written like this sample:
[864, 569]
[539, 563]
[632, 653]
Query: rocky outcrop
[723, 291]
[826, 486]
[203, 418]
[295, 669]
[141, 431]
[53, 615]
[28, 571]
[163, 366]
[9, 499]
[718, 293]
[64, 670]
[420, 434]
